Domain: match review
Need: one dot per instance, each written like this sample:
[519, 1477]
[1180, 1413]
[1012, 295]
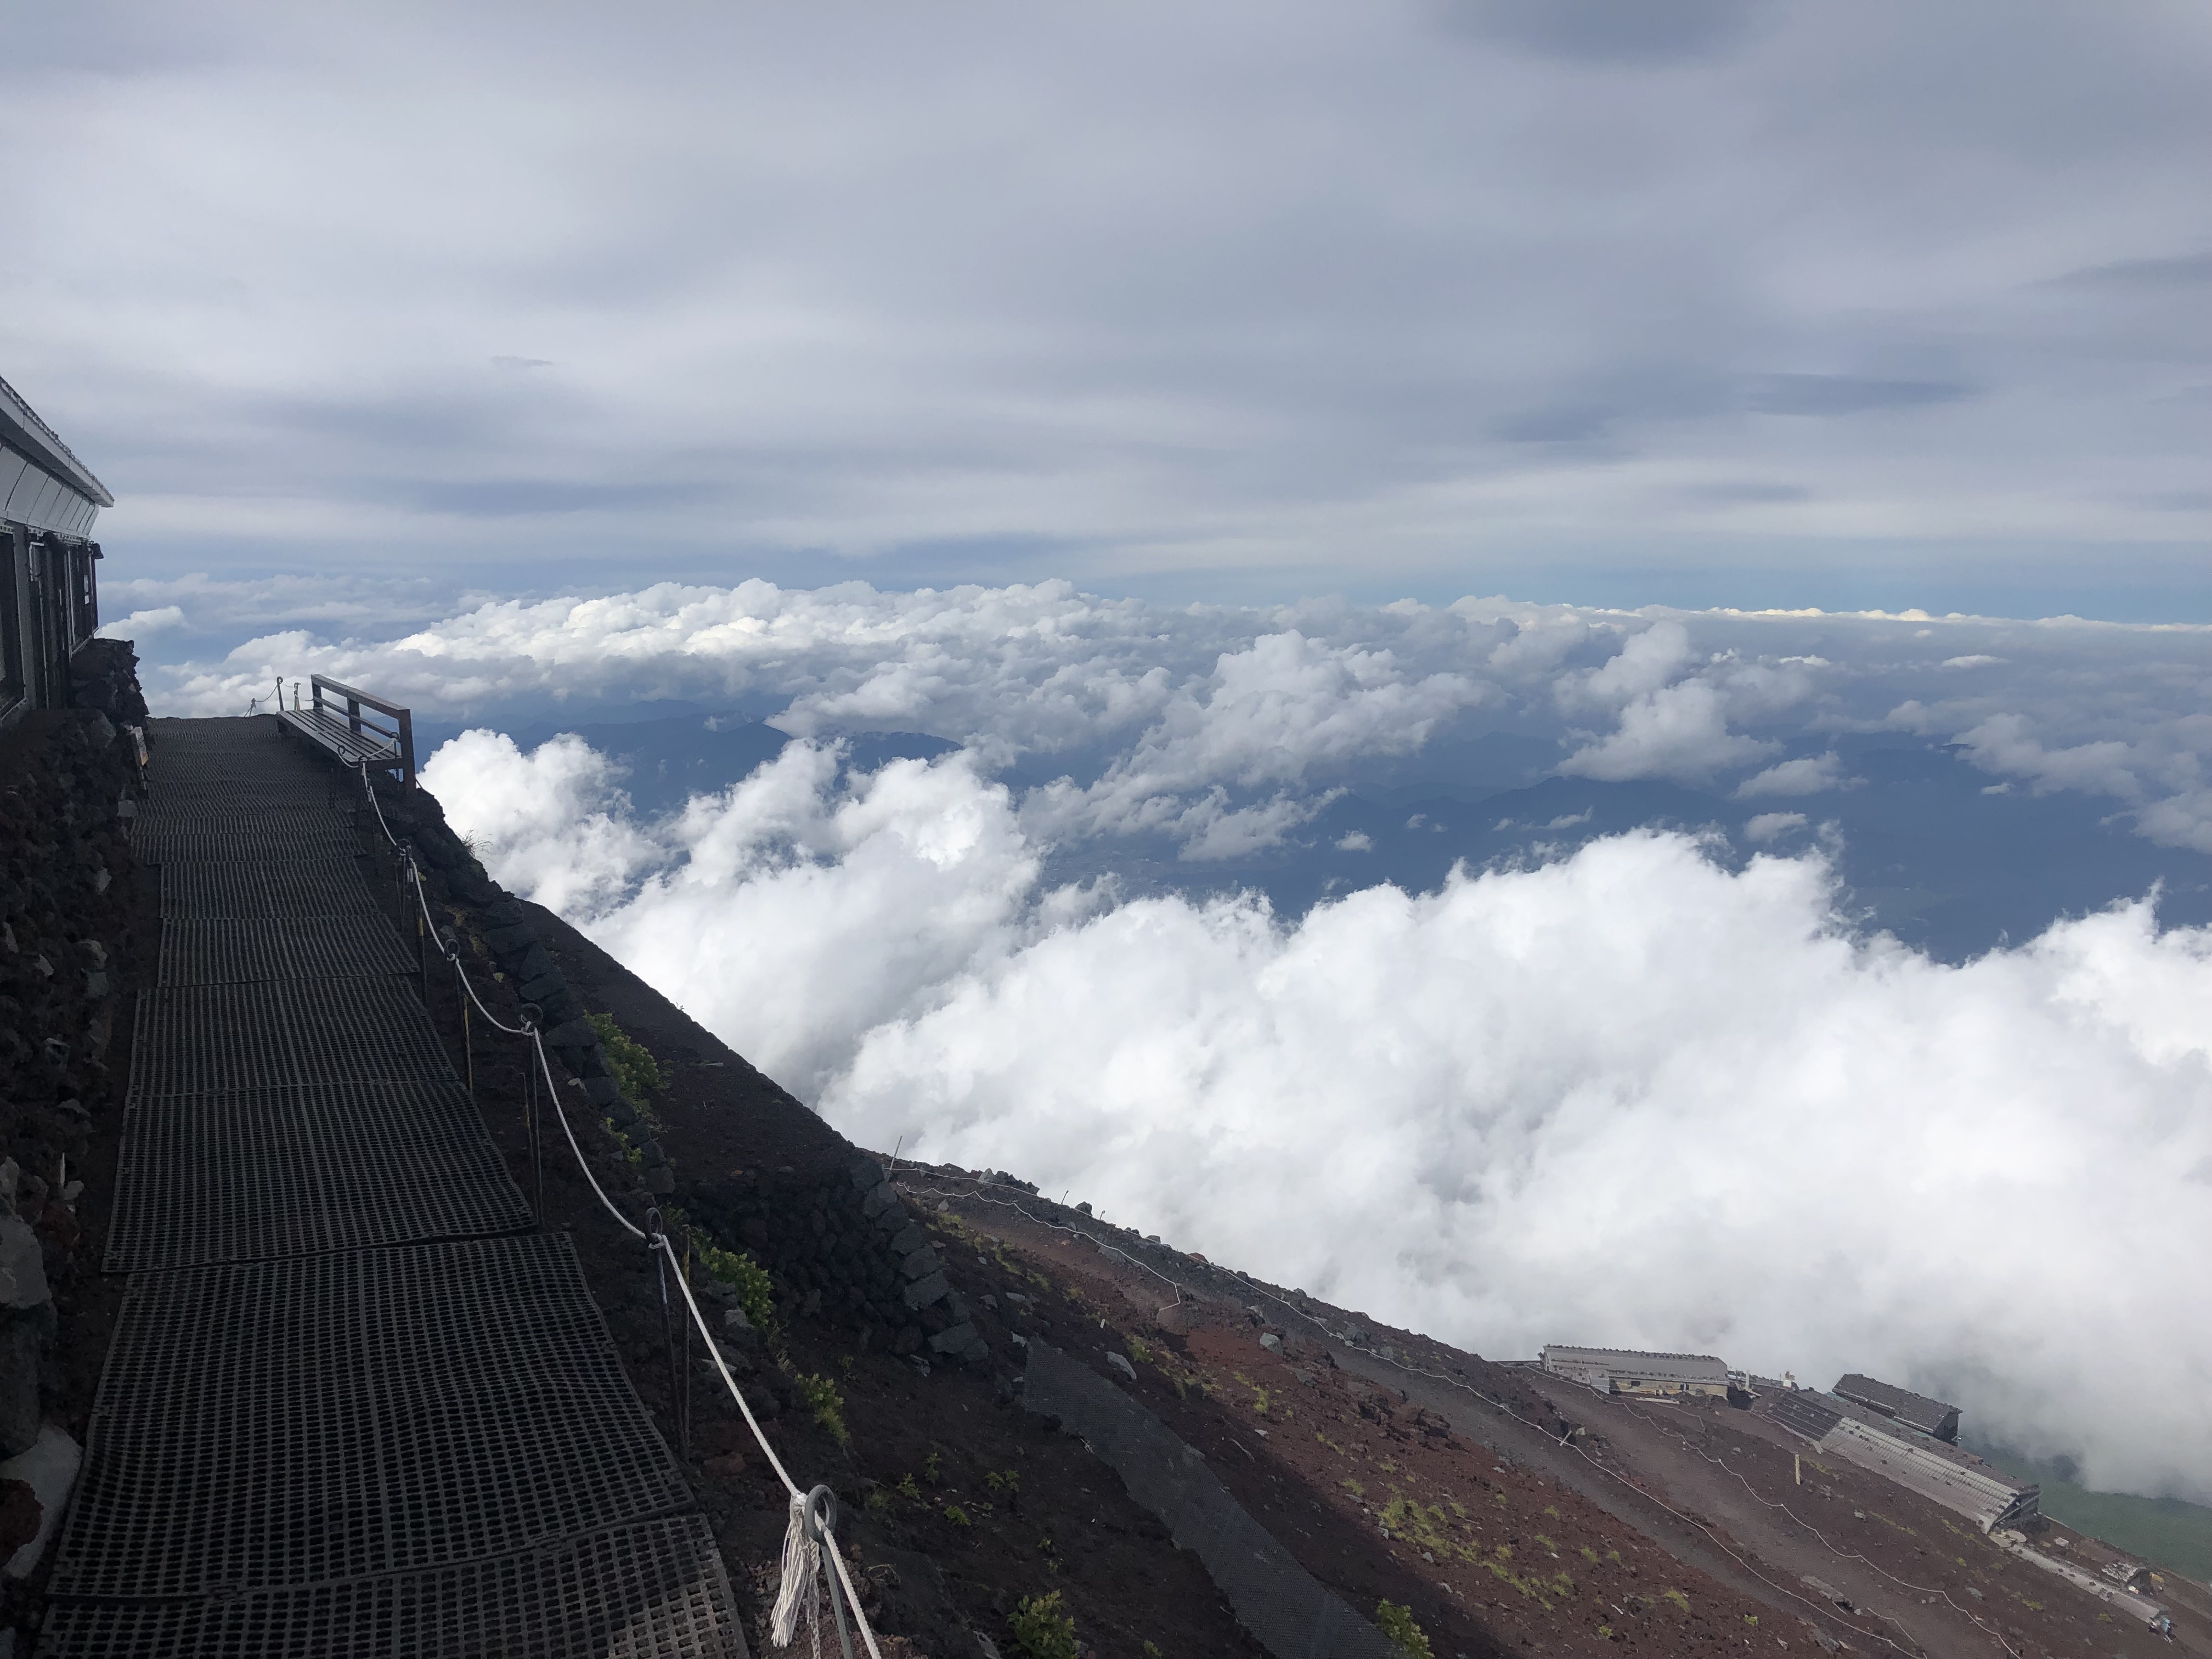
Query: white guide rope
[799, 1591]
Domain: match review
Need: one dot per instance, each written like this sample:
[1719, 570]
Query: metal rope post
[657, 1242]
[532, 1013]
[422, 934]
[822, 1521]
[468, 1030]
[687, 1349]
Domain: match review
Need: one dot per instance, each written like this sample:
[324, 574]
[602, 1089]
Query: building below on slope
[1939, 1472]
[2127, 1574]
[1623, 1370]
[1943, 1474]
[1803, 1412]
[1989, 1499]
[1936, 1419]
[2119, 1592]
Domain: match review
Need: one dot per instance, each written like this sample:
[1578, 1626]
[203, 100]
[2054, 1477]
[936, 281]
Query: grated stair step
[655, 1589]
[303, 887]
[169, 837]
[260, 1174]
[323, 1419]
[208, 1039]
[241, 950]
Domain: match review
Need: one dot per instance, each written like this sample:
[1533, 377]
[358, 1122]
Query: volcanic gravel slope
[1663, 1526]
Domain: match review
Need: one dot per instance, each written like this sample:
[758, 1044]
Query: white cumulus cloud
[1768, 826]
[1677, 732]
[1628, 1095]
[1809, 774]
[139, 623]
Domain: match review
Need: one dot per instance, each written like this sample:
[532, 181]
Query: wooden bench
[352, 736]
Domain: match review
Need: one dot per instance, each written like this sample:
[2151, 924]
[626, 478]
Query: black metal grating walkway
[353, 1405]
[251, 1175]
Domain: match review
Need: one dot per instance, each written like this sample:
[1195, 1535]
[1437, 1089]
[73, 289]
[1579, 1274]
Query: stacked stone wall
[70, 779]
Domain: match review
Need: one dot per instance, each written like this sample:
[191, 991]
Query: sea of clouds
[1215, 725]
[1653, 1090]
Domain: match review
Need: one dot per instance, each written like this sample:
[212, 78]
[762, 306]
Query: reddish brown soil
[1639, 1481]
[1376, 1496]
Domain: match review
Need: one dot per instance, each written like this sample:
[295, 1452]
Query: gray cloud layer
[1712, 302]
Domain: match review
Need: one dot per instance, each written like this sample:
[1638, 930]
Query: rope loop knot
[800, 1589]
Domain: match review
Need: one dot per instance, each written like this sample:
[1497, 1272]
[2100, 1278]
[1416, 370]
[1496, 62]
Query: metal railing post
[453, 944]
[687, 1350]
[537, 1148]
[422, 928]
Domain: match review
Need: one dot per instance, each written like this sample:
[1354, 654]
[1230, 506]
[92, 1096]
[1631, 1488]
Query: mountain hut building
[1936, 1419]
[49, 599]
[1625, 1371]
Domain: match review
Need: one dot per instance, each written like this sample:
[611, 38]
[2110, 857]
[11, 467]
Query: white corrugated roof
[1629, 1362]
[1986, 1497]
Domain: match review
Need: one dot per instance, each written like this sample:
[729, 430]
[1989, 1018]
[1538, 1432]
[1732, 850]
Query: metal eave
[22, 429]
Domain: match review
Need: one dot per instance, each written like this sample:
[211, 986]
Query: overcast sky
[1716, 302]
[402, 321]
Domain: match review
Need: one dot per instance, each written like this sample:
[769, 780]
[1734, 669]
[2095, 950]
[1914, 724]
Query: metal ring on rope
[821, 1512]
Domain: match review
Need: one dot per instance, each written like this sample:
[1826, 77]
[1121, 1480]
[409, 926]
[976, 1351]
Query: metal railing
[401, 734]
